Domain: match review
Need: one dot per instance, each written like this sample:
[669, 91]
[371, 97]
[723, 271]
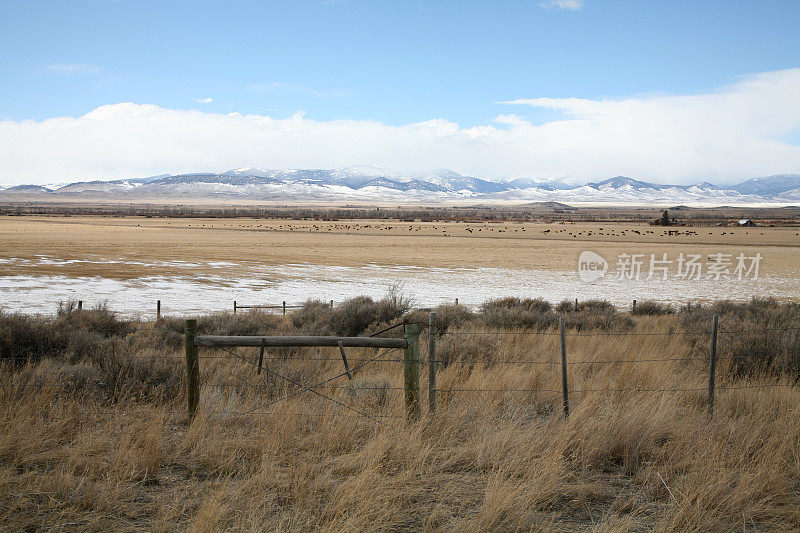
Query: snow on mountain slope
[26, 189]
[769, 185]
[376, 183]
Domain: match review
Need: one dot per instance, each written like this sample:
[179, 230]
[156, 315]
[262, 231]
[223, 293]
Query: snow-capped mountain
[769, 185]
[370, 183]
[621, 182]
[26, 189]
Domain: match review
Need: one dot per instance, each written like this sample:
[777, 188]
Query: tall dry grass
[498, 455]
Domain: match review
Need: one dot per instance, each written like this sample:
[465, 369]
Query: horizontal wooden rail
[270, 306]
[272, 341]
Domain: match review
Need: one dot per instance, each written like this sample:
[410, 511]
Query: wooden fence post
[192, 368]
[331, 304]
[158, 309]
[80, 305]
[411, 371]
[344, 360]
[576, 304]
[261, 355]
[234, 307]
[634, 305]
[712, 365]
[284, 308]
[564, 391]
[432, 362]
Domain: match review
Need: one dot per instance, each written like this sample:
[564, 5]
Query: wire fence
[326, 384]
[335, 382]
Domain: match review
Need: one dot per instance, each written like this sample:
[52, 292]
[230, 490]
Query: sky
[667, 91]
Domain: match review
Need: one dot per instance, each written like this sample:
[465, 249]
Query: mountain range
[378, 184]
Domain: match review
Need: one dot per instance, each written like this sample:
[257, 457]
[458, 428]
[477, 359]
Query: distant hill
[550, 205]
[769, 185]
[371, 183]
[26, 189]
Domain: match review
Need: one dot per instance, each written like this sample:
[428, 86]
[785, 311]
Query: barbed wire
[616, 333]
[326, 359]
[582, 362]
[296, 413]
[322, 385]
[177, 359]
[384, 330]
[312, 387]
[498, 333]
[122, 357]
[768, 330]
[629, 334]
[526, 390]
[271, 372]
[568, 334]
[538, 333]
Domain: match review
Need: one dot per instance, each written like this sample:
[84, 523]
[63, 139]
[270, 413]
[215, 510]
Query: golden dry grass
[136, 243]
[487, 461]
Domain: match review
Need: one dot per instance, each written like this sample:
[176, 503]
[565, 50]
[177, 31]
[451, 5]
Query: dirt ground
[147, 246]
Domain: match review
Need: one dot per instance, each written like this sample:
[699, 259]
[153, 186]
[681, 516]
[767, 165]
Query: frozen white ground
[186, 293]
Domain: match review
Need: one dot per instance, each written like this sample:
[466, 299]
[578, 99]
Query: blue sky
[390, 63]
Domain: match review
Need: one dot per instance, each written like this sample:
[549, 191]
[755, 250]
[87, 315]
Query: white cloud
[734, 133]
[208, 100]
[74, 68]
[570, 5]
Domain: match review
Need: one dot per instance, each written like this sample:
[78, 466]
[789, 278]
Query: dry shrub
[565, 306]
[25, 337]
[466, 349]
[535, 305]
[167, 332]
[611, 322]
[651, 308]
[253, 322]
[596, 306]
[516, 314]
[452, 316]
[355, 315]
[446, 317]
[313, 318]
[99, 320]
[761, 336]
[72, 333]
[352, 317]
[90, 345]
[516, 318]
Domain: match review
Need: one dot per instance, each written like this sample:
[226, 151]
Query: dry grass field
[137, 245]
[95, 436]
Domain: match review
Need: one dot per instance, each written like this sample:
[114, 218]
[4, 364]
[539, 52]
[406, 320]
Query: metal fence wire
[411, 359]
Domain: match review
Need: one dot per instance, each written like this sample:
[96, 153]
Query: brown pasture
[552, 246]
